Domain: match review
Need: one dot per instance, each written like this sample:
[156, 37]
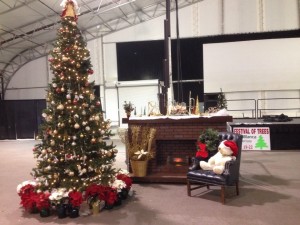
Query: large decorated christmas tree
[73, 155]
[73, 152]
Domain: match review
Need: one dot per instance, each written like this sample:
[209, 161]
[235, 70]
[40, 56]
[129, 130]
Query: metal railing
[258, 106]
[252, 109]
[281, 103]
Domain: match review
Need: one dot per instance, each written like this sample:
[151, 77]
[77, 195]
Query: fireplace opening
[177, 161]
[173, 156]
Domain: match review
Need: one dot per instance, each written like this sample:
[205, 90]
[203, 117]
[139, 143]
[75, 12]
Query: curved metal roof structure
[28, 27]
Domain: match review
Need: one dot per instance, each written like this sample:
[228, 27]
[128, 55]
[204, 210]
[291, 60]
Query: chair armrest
[230, 167]
[231, 171]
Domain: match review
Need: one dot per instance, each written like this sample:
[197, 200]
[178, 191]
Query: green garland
[210, 137]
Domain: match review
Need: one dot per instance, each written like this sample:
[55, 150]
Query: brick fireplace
[175, 145]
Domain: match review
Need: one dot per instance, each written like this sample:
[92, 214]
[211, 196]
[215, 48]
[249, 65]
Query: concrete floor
[269, 194]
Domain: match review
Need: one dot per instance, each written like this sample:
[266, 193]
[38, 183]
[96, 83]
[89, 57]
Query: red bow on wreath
[202, 152]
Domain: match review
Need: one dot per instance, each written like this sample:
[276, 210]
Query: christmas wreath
[207, 143]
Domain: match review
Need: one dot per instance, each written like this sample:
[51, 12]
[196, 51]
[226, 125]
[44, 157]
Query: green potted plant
[222, 102]
[128, 107]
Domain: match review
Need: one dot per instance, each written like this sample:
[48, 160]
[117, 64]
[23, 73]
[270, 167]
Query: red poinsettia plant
[30, 199]
[75, 198]
[96, 192]
[42, 200]
[109, 195]
[92, 191]
[27, 195]
[126, 179]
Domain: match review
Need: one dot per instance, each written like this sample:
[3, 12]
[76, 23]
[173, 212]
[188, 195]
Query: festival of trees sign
[254, 138]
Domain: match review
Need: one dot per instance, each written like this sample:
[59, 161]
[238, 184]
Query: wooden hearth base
[179, 178]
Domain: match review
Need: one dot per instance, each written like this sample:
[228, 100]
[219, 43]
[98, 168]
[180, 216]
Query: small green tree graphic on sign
[261, 143]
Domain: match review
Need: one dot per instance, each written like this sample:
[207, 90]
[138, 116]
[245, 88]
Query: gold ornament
[48, 168]
[44, 151]
[52, 142]
[60, 107]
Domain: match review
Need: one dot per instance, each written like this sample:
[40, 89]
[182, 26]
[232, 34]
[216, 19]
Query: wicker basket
[139, 168]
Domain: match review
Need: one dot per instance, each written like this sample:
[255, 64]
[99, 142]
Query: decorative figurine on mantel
[191, 104]
[197, 111]
[178, 109]
[153, 109]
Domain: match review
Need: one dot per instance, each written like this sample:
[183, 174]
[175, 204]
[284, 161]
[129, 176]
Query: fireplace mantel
[175, 134]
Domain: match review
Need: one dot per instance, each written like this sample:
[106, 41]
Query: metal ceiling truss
[129, 12]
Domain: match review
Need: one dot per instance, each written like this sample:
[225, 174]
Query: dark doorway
[20, 119]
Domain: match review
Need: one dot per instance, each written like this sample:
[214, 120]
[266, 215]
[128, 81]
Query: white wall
[252, 65]
[30, 81]
[280, 14]
[237, 16]
[208, 17]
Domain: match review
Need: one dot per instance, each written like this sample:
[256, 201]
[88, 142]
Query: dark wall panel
[196, 89]
[141, 60]
[7, 120]
[20, 118]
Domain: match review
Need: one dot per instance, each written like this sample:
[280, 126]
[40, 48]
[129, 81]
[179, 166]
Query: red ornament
[68, 156]
[58, 90]
[90, 71]
[98, 103]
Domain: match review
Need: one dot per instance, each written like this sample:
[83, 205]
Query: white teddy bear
[227, 151]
